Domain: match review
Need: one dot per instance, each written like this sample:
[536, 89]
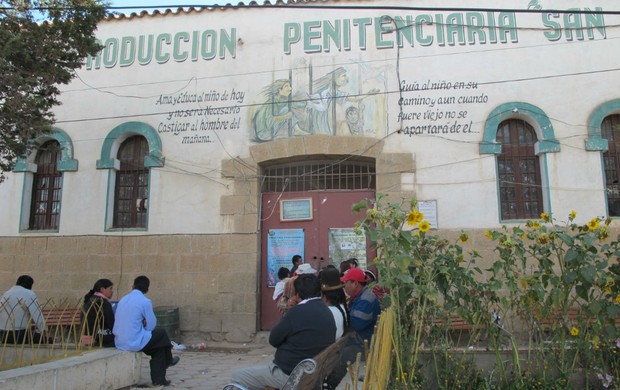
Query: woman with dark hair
[335, 299]
[98, 315]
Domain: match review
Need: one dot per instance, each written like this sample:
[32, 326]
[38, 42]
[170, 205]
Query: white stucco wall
[562, 78]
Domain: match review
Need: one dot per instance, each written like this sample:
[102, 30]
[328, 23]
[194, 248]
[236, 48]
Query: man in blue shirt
[364, 310]
[134, 330]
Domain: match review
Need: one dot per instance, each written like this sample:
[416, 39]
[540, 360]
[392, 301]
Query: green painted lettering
[404, 29]
[128, 51]
[454, 26]
[383, 26]
[361, 34]
[292, 34]
[594, 21]
[310, 34]
[556, 30]
[420, 21]
[228, 42]
[331, 33]
[475, 28]
[145, 49]
[178, 54]
[208, 46]
[160, 56]
[110, 52]
[507, 25]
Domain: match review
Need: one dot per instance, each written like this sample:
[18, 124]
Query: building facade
[202, 147]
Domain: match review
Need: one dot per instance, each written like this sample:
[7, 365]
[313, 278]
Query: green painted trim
[21, 211]
[107, 203]
[154, 159]
[546, 188]
[66, 164]
[546, 144]
[595, 141]
[22, 165]
[605, 191]
[494, 148]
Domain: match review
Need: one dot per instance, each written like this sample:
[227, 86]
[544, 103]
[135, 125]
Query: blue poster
[282, 245]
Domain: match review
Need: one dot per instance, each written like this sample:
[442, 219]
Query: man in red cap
[364, 310]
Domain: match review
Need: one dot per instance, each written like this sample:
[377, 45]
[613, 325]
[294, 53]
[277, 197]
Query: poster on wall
[429, 209]
[296, 209]
[282, 245]
[344, 243]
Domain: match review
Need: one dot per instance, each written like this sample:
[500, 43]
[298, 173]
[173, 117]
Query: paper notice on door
[345, 244]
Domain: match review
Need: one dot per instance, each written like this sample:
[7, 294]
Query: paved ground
[211, 369]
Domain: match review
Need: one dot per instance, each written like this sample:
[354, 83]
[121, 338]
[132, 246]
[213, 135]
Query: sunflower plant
[540, 275]
[429, 278]
[557, 279]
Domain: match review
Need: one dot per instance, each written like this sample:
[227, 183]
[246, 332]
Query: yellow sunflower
[574, 331]
[572, 215]
[414, 217]
[545, 217]
[488, 234]
[424, 226]
[594, 224]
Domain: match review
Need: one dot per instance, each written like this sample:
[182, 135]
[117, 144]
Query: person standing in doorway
[283, 273]
[134, 330]
[297, 261]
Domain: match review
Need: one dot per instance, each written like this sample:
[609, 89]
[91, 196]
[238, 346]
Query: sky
[173, 4]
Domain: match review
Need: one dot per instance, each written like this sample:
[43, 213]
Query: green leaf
[570, 277]
[568, 240]
[595, 307]
[403, 263]
[588, 273]
[602, 265]
[582, 292]
[357, 207]
[571, 256]
[406, 278]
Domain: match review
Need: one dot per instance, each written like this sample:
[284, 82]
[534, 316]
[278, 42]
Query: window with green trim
[518, 167]
[132, 183]
[610, 130]
[46, 188]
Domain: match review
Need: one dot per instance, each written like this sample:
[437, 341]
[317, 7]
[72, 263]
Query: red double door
[330, 209]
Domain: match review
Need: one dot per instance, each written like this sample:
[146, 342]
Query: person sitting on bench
[303, 332]
[364, 310]
[19, 308]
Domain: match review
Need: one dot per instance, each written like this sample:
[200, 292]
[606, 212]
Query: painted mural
[344, 100]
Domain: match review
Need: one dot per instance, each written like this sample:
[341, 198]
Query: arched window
[46, 188]
[132, 183]
[518, 168]
[610, 130]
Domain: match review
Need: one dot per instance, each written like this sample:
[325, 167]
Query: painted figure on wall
[328, 105]
[329, 99]
[354, 121]
[276, 117]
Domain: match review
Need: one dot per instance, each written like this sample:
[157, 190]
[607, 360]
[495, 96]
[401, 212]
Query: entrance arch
[241, 208]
